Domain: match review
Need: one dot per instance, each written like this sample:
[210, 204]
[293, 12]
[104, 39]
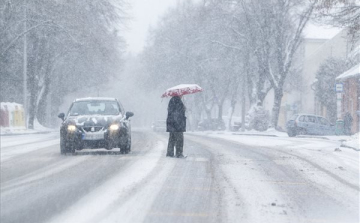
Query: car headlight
[71, 128]
[114, 127]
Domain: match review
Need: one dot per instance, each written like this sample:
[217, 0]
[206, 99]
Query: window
[95, 107]
[302, 118]
[311, 119]
[323, 121]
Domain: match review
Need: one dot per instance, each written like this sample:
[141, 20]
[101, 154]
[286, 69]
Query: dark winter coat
[176, 120]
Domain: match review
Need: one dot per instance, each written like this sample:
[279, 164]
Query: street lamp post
[25, 66]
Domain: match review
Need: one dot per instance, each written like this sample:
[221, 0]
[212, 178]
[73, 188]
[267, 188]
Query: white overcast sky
[146, 13]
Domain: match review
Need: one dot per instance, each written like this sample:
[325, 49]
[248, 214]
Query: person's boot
[180, 156]
[169, 154]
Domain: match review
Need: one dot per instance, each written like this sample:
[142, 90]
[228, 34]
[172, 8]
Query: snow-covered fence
[12, 115]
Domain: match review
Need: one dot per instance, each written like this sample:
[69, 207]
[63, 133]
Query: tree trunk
[41, 107]
[32, 107]
[220, 112]
[43, 93]
[233, 104]
[278, 94]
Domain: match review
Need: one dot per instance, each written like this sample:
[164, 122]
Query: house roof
[352, 72]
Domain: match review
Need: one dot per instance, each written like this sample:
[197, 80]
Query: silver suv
[306, 124]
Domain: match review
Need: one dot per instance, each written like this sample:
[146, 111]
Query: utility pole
[25, 65]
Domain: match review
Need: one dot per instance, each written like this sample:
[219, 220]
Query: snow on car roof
[309, 114]
[95, 99]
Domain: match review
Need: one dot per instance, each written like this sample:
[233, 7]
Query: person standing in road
[176, 126]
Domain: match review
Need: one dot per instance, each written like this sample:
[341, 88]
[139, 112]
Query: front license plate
[93, 136]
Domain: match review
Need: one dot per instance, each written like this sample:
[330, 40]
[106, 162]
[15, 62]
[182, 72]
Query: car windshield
[95, 107]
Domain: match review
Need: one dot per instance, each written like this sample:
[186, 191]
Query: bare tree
[276, 29]
[340, 13]
[70, 43]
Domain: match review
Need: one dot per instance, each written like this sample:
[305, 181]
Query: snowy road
[222, 180]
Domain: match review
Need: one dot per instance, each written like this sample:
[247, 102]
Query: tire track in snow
[50, 195]
[126, 196]
[255, 199]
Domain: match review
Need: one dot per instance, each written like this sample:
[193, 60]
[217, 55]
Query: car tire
[128, 145]
[124, 145]
[70, 148]
[291, 133]
[62, 146]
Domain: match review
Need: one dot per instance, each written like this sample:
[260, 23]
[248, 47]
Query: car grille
[92, 128]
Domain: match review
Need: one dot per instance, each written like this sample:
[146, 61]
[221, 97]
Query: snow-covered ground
[330, 152]
[281, 138]
[38, 129]
[227, 177]
[15, 144]
[306, 154]
[15, 141]
[351, 141]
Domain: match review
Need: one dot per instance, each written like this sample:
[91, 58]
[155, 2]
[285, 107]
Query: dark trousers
[176, 140]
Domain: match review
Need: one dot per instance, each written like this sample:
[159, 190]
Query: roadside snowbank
[38, 129]
[352, 141]
[281, 138]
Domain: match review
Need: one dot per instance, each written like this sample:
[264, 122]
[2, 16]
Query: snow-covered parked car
[159, 126]
[306, 124]
[95, 123]
[211, 124]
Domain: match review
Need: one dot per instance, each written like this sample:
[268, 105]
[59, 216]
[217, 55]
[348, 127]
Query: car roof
[309, 115]
[95, 99]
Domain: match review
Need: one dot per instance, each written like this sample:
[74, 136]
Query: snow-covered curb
[25, 132]
[351, 142]
[38, 129]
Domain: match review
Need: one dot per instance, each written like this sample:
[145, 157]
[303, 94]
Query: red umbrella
[182, 89]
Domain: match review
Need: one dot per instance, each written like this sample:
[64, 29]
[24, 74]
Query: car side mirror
[129, 114]
[62, 116]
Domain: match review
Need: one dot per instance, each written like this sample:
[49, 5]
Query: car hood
[94, 120]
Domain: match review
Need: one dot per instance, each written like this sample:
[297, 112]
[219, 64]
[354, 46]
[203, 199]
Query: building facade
[337, 47]
[349, 100]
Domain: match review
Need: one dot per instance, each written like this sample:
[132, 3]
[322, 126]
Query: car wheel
[301, 132]
[291, 133]
[123, 144]
[70, 148]
[62, 146]
[128, 145]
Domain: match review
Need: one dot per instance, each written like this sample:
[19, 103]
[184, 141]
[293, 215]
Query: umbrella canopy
[182, 89]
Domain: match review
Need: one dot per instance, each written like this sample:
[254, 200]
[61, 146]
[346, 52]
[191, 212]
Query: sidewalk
[38, 129]
[352, 142]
